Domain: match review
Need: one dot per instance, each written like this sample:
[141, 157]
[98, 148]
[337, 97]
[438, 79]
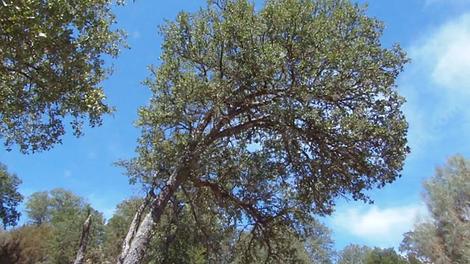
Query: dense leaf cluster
[10, 197]
[51, 66]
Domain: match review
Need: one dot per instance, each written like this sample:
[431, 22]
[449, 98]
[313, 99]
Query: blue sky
[436, 84]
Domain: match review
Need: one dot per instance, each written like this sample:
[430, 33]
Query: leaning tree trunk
[138, 236]
[80, 258]
[134, 227]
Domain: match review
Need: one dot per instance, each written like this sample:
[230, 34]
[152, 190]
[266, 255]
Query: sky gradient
[436, 85]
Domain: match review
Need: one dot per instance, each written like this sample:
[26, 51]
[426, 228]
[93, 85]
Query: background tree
[446, 238]
[356, 254]
[51, 67]
[38, 208]
[385, 256]
[267, 115]
[25, 245]
[318, 244]
[353, 254]
[65, 215]
[9, 197]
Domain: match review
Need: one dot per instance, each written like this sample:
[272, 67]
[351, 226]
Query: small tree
[385, 256]
[353, 254]
[65, 215]
[446, 238]
[9, 197]
[51, 67]
[265, 116]
[38, 208]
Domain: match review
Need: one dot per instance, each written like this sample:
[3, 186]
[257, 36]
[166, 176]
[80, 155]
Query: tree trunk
[80, 258]
[134, 227]
[139, 235]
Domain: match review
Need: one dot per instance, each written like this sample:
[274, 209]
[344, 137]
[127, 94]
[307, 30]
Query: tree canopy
[10, 197]
[62, 214]
[446, 238]
[51, 68]
[355, 254]
[264, 116]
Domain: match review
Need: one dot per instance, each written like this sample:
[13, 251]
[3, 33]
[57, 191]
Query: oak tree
[264, 116]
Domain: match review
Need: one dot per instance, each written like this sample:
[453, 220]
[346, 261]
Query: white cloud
[437, 83]
[379, 226]
[446, 53]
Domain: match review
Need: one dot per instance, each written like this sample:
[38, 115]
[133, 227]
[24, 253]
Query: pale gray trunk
[80, 258]
[139, 235]
[134, 226]
[136, 248]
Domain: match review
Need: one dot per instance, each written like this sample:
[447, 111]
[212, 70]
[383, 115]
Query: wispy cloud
[379, 226]
[437, 82]
[446, 54]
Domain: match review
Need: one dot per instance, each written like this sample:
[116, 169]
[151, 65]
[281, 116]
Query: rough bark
[80, 258]
[134, 247]
[134, 227]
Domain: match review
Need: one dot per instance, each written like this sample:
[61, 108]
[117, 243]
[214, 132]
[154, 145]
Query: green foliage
[314, 246]
[64, 213]
[179, 239]
[272, 112]
[51, 67]
[117, 227]
[445, 239]
[9, 197]
[25, 245]
[353, 254]
[384, 256]
[38, 208]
